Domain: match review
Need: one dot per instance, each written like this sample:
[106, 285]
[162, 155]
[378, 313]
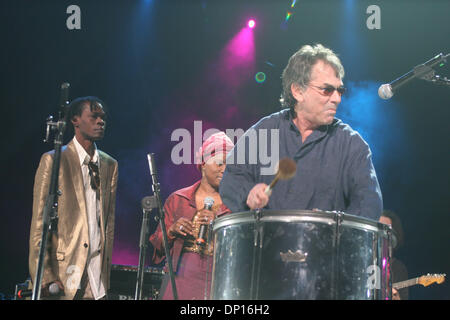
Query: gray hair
[298, 70]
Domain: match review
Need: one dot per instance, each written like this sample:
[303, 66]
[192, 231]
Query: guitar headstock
[431, 278]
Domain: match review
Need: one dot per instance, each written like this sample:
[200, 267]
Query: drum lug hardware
[297, 256]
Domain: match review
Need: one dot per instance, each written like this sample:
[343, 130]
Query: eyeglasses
[94, 174]
[328, 90]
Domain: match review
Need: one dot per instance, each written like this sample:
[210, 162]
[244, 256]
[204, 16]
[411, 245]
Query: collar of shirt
[189, 194]
[82, 154]
[318, 133]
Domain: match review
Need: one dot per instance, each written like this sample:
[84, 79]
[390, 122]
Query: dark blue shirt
[334, 168]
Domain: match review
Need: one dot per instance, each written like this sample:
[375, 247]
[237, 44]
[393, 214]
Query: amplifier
[123, 282]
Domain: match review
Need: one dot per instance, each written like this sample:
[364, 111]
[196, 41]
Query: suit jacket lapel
[77, 177]
[103, 190]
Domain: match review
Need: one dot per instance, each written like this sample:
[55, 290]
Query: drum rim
[329, 217]
[274, 215]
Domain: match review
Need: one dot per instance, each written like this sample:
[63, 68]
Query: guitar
[423, 280]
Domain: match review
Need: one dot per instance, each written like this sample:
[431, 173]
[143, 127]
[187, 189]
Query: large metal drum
[300, 255]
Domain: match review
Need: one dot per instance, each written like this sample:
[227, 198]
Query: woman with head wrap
[186, 210]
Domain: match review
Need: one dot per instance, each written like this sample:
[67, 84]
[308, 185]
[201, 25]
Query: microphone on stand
[53, 290]
[64, 99]
[201, 239]
[64, 102]
[387, 90]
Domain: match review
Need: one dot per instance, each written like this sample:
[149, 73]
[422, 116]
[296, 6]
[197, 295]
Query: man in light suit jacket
[78, 256]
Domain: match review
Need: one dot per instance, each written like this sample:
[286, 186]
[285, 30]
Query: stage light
[251, 23]
[288, 16]
[260, 77]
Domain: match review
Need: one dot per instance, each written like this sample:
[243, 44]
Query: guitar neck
[406, 283]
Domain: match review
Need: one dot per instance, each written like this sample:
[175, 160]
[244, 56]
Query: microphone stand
[256, 256]
[50, 211]
[210, 234]
[156, 191]
[428, 74]
[148, 204]
[440, 80]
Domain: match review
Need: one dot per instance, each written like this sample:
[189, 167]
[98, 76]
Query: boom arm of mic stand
[162, 222]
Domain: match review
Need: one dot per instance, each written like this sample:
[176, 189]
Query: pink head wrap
[214, 145]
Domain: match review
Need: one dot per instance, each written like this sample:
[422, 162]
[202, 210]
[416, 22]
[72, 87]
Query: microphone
[203, 227]
[53, 290]
[386, 91]
[64, 95]
[153, 173]
[64, 100]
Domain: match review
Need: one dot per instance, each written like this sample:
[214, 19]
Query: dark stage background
[160, 65]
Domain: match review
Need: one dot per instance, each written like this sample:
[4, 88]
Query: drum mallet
[286, 170]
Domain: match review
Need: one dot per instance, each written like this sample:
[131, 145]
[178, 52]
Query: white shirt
[94, 263]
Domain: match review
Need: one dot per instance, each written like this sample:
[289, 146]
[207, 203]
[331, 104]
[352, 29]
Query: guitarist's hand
[395, 294]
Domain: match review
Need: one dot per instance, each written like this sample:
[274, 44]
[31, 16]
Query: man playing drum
[334, 163]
